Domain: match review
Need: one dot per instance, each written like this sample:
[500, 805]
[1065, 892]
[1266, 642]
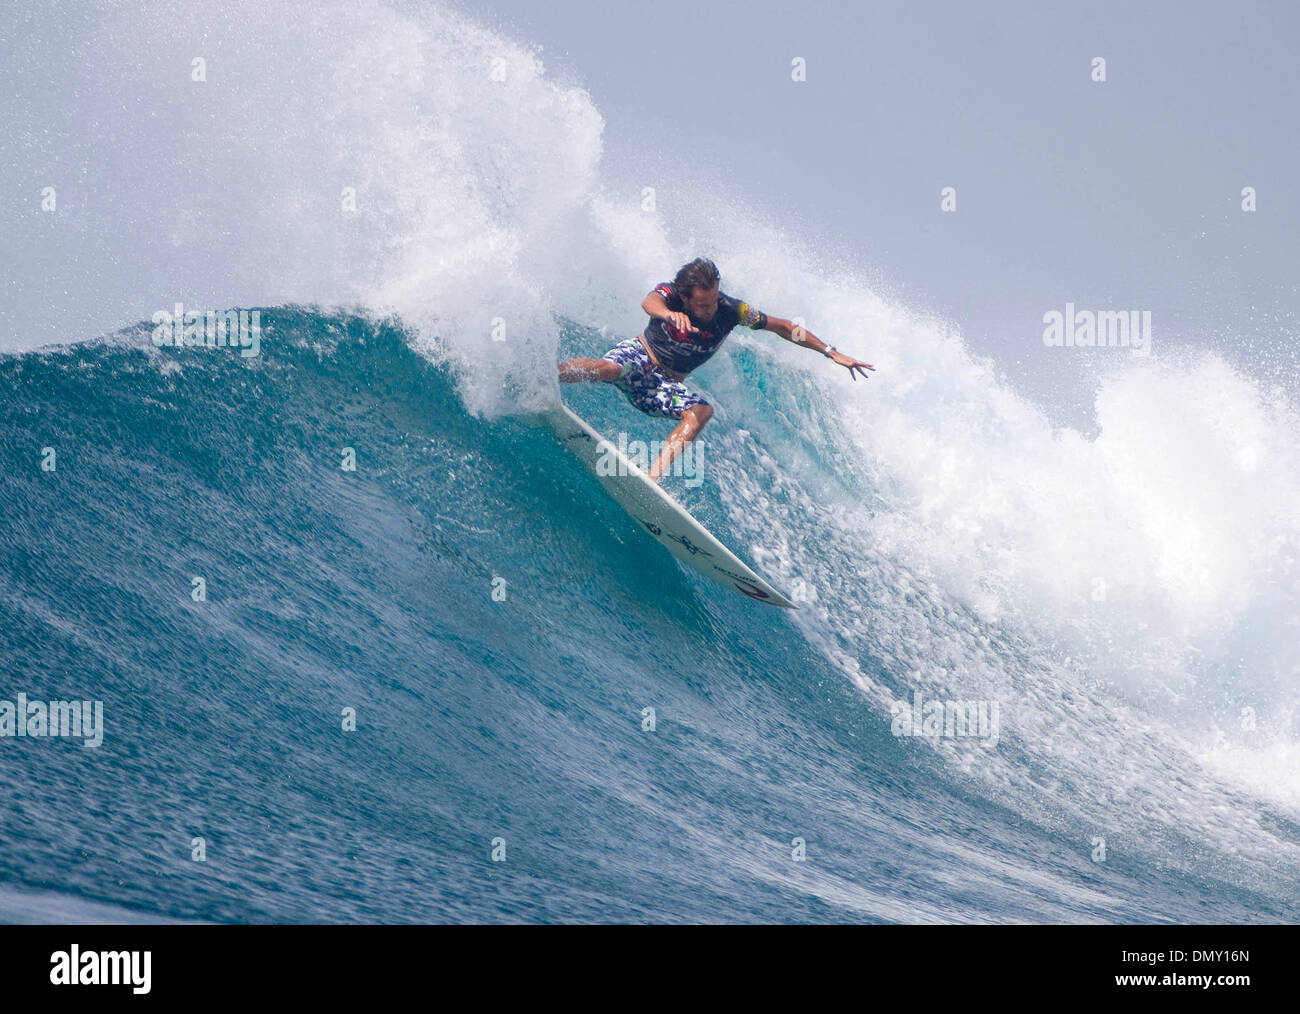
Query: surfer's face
[702, 304]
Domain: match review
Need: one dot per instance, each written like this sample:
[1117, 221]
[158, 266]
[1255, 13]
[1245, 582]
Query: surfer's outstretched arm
[573, 371]
[801, 336]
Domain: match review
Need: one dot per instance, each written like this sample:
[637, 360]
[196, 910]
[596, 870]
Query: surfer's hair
[698, 274]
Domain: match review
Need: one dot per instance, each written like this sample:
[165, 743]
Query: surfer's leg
[625, 361]
[651, 391]
[574, 370]
[693, 420]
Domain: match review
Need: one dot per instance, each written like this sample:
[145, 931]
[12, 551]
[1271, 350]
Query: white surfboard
[658, 513]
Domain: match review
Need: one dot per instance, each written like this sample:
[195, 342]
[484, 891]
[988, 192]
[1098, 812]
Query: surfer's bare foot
[693, 420]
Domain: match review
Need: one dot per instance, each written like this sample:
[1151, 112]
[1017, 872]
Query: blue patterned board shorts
[646, 386]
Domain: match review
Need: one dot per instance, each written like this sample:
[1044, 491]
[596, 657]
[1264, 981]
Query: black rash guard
[683, 351]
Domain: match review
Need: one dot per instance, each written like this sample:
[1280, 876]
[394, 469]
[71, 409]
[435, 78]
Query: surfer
[689, 320]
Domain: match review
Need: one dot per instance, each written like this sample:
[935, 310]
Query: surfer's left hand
[851, 364]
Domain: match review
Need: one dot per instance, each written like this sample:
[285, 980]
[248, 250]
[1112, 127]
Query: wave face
[1129, 599]
[521, 719]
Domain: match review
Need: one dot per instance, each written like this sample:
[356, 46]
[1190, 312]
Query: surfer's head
[697, 284]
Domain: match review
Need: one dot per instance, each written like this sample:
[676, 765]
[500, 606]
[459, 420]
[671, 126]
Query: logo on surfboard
[681, 540]
[753, 591]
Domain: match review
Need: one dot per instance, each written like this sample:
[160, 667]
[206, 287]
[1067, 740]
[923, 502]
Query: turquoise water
[521, 718]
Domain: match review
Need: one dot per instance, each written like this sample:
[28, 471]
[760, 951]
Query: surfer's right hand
[679, 321]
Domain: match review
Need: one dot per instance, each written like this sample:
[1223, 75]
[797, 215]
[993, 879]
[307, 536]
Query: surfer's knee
[699, 414]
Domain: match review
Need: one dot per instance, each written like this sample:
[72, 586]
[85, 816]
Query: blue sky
[1117, 195]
